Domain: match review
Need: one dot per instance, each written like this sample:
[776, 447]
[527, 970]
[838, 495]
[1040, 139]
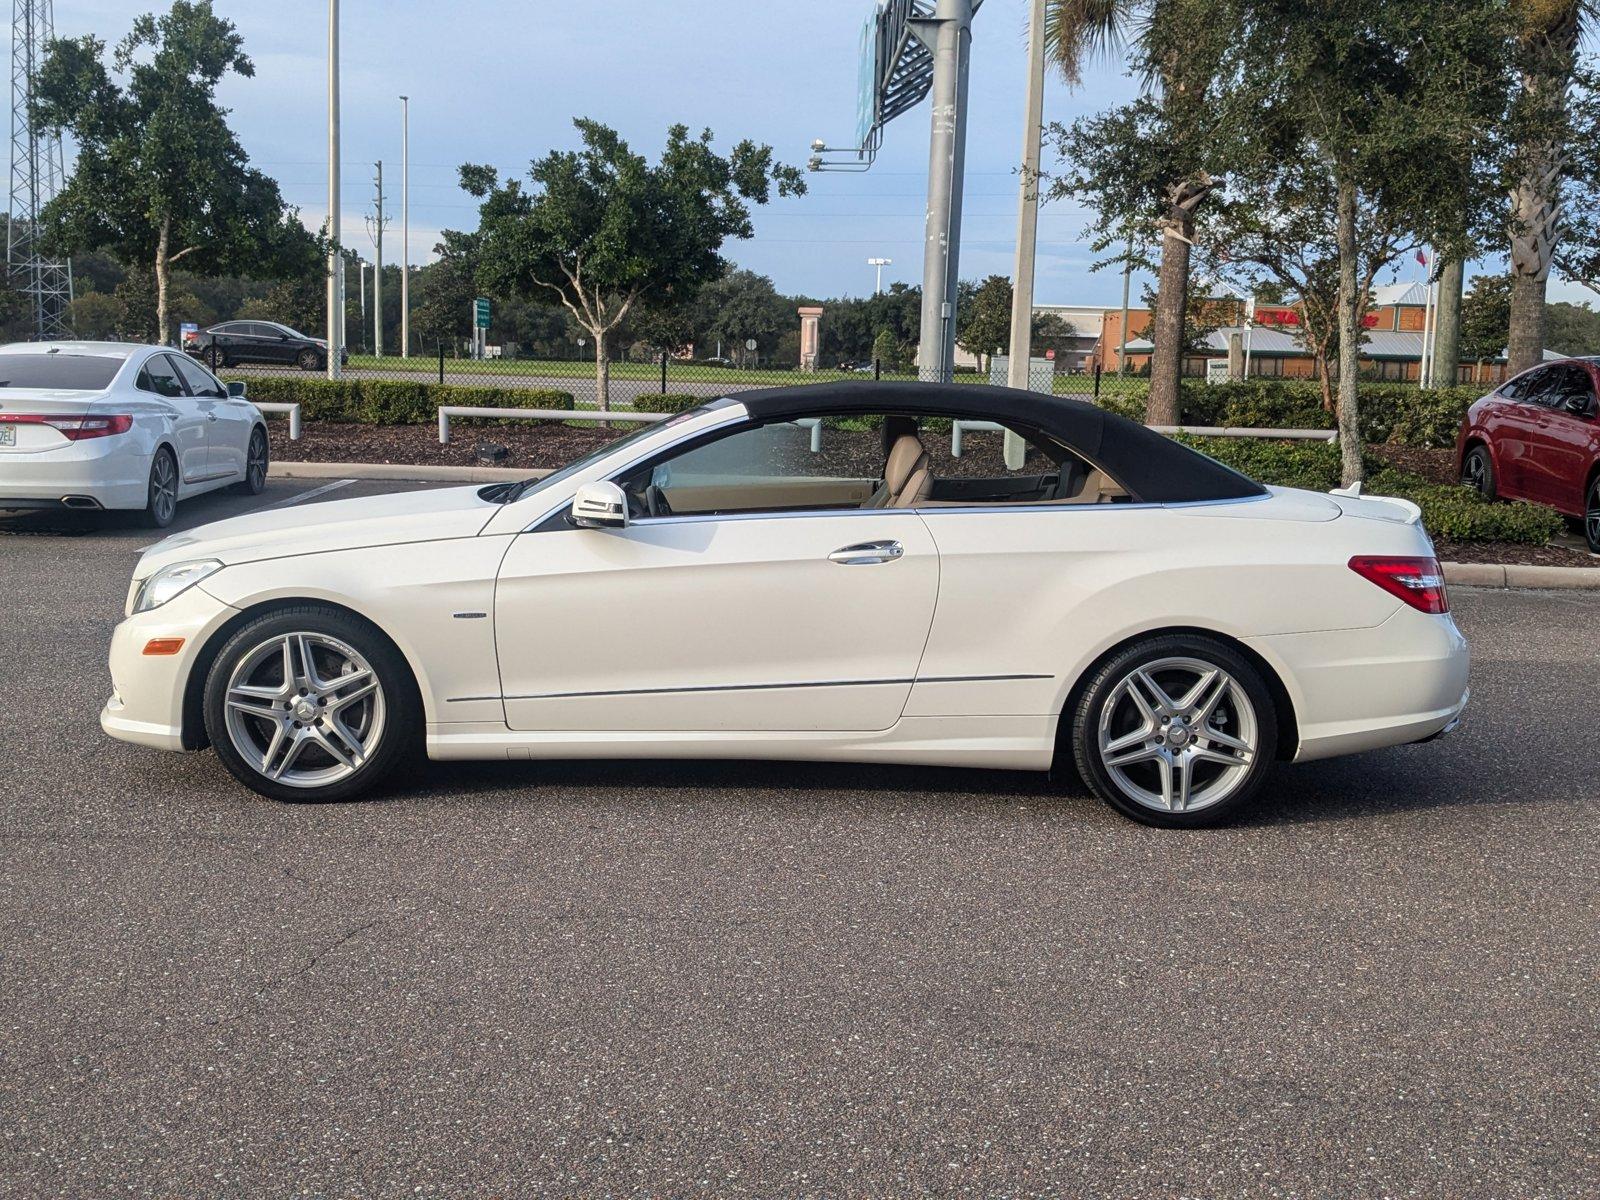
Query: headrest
[895, 427]
[906, 456]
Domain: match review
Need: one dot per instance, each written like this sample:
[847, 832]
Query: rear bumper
[1361, 689]
[110, 475]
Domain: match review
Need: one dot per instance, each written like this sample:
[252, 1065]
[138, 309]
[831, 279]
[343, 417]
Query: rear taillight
[1417, 581]
[75, 427]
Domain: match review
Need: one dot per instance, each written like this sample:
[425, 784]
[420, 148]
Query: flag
[1422, 258]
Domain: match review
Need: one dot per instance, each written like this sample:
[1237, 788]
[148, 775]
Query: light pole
[880, 263]
[405, 226]
[335, 259]
[948, 36]
[1018, 374]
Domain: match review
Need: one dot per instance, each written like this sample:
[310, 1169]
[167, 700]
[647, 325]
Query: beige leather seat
[906, 478]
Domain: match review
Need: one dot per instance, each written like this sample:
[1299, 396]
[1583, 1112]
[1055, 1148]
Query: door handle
[867, 553]
[211, 416]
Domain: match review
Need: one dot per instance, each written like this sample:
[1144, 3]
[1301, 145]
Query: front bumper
[147, 691]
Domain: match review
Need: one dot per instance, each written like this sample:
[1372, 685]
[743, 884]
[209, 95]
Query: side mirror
[236, 390]
[600, 506]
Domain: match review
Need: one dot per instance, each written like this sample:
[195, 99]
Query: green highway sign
[480, 312]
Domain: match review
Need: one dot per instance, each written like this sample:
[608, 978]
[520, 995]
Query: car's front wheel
[1177, 730]
[310, 703]
[310, 360]
[1591, 516]
[1477, 471]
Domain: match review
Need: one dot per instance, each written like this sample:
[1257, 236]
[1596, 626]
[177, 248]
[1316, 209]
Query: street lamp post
[1018, 374]
[335, 258]
[880, 263]
[405, 226]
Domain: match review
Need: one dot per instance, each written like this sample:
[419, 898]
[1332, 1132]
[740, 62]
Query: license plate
[8, 435]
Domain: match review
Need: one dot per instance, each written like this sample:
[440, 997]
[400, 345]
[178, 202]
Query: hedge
[1388, 412]
[1459, 514]
[665, 402]
[391, 401]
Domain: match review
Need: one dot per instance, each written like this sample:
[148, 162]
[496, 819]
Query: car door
[734, 618]
[1560, 439]
[230, 421]
[1510, 425]
[191, 436]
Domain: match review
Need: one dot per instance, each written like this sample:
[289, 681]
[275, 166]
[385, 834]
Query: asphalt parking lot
[674, 979]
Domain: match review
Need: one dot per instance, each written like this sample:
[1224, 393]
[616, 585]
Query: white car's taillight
[75, 427]
[1417, 581]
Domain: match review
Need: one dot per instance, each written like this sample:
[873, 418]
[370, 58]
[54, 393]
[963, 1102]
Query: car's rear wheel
[310, 704]
[216, 359]
[1591, 516]
[1477, 471]
[309, 360]
[161, 496]
[1177, 730]
[255, 463]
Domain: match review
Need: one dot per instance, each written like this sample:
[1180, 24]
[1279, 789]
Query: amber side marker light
[163, 646]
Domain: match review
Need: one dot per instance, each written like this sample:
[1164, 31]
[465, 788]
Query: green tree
[1574, 329]
[602, 230]
[1486, 317]
[983, 324]
[739, 307]
[160, 178]
[1164, 166]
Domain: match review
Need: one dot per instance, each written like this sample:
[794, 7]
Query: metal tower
[36, 175]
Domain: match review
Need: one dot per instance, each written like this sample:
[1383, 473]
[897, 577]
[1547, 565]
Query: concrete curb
[400, 471]
[1488, 575]
[1515, 575]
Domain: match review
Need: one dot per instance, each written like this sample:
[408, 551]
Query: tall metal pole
[377, 272]
[405, 226]
[335, 257]
[1127, 278]
[1017, 374]
[948, 35]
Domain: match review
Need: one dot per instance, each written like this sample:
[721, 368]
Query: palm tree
[1077, 31]
[1547, 47]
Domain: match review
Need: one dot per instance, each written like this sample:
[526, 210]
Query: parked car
[235, 342]
[1118, 602]
[107, 425]
[1537, 438]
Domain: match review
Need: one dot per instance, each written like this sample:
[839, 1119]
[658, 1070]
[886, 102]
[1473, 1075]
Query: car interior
[791, 466]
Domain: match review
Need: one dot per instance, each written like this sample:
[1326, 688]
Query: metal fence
[661, 375]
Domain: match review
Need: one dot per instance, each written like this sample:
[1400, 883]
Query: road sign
[749, 343]
[480, 312]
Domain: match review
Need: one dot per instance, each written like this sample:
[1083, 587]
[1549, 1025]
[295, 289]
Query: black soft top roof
[1152, 467]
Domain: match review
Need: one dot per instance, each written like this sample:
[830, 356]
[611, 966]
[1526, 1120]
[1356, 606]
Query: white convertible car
[807, 573]
[117, 425]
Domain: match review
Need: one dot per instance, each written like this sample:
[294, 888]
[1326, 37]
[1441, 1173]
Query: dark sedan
[235, 342]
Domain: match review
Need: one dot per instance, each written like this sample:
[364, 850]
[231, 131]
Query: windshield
[55, 370]
[529, 487]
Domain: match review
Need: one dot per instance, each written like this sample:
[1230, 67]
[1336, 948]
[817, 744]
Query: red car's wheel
[1477, 471]
[1591, 516]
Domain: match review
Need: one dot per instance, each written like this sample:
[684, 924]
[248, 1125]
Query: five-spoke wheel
[309, 703]
[1175, 731]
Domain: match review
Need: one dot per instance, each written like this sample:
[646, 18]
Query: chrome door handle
[867, 553]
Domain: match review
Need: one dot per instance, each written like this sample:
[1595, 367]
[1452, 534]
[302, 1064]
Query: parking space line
[304, 496]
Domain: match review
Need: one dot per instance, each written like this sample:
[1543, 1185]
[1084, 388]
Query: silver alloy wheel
[1472, 471]
[1178, 735]
[256, 468]
[1591, 517]
[304, 709]
[163, 487]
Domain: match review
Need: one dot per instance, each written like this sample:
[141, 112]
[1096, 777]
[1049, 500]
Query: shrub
[665, 402]
[1449, 511]
[392, 401]
[1389, 412]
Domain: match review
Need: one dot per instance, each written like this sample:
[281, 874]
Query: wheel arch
[193, 731]
[1283, 703]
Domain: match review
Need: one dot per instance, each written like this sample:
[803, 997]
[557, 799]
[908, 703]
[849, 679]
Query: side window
[764, 468]
[160, 376]
[1572, 391]
[201, 381]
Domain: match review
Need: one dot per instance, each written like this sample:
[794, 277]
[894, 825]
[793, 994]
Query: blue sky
[501, 82]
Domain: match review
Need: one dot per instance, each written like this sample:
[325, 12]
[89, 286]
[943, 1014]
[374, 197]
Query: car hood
[388, 520]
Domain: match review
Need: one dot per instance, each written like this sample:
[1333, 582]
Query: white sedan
[113, 425]
[806, 573]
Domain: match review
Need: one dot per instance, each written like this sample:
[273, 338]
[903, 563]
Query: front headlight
[171, 582]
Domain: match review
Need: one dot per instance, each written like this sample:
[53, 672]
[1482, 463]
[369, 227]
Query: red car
[1538, 438]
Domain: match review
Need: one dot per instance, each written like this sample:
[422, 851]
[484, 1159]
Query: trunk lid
[28, 417]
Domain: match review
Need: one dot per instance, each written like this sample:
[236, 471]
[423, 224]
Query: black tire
[257, 459]
[215, 358]
[1477, 471]
[161, 492]
[398, 707]
[1591, 516]
[1243, 704]
[309, 360]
